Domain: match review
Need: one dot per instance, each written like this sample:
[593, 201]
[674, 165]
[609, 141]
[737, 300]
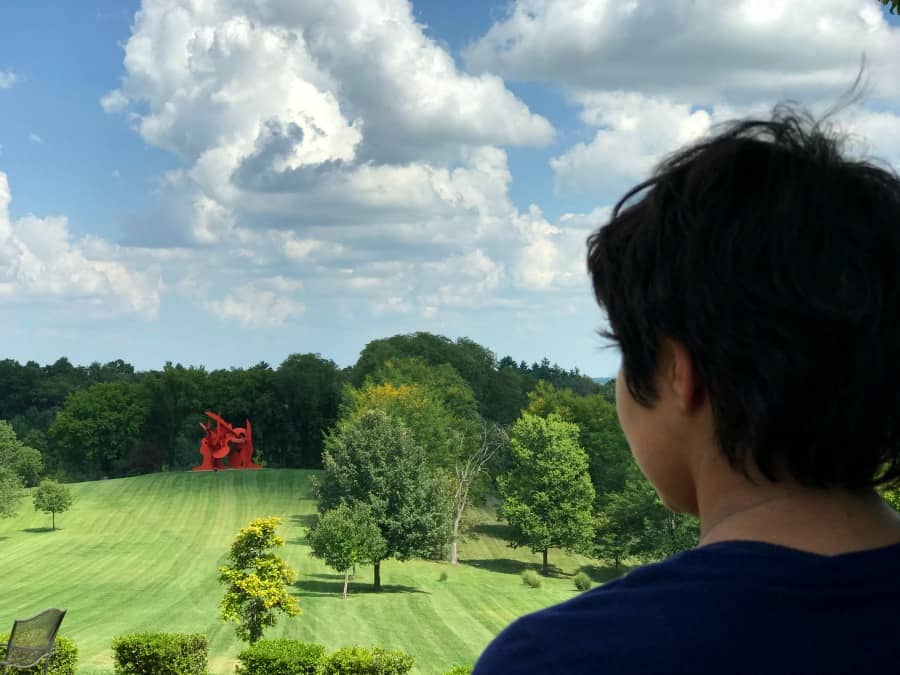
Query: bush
[531, 578]
[582, 581]
[62, 662]
[444, 576]
[460, 670]
[160, 654]
[367, 661]
[281, 657]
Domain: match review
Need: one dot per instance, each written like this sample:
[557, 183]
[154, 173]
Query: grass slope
[142, 553]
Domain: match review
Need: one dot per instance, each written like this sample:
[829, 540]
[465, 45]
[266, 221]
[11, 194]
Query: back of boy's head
[775, 261]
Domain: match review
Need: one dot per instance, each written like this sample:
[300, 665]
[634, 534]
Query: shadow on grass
[304, 521]
[496, 530]
[600, 574]
[333, 584]
[36, 530]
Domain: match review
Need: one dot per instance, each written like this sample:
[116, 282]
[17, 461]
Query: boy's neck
[825, 522]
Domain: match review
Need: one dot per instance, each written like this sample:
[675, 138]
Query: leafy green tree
[893, 5]
[176, 408]
[51, 497]
[97, 428]
[309, 393]
[29, 464]
[635, 523]
[373, 459]
[345, 537]
[547, 493]
[255, 579]
[10, 492]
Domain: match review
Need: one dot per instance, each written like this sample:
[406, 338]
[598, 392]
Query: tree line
[109, 420]
[416, 431]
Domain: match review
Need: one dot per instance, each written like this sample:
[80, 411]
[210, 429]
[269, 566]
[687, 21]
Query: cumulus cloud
[264, 302]
[7, 79]
[40, 259]
[698, 50]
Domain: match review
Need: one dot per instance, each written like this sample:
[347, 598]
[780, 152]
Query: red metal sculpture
[223, 440]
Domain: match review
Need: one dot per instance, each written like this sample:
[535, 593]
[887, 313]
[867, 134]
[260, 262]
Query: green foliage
[443, 576]
[460, 670]
[255, 579]
[29, 464]
[309, 389]
[10, 493]
[635, 523]
[600, 434]
[281, 657]
[94, 433]
[367, 661]
[582, 581]
[547, 493]
[160, 654]
[894, 5]
[373, 459]
[51, 497]
[531, 578]
[346, 536]
[63, 660]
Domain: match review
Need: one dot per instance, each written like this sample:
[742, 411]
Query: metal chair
[32, 640]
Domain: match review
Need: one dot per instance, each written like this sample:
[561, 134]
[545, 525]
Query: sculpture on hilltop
[221, 441]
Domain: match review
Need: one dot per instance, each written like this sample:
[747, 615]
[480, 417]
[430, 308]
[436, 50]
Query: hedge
[63, 661]
[367, 661]
[160, 654]
[281, 657]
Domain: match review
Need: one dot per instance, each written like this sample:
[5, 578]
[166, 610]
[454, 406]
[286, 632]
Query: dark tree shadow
[35, 530]
[495, 530]
[333, 584]
[3, 538]
[501, 565]
[304, 520]
[602, 573]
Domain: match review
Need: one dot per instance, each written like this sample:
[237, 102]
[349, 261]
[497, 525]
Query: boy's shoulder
[613, 624]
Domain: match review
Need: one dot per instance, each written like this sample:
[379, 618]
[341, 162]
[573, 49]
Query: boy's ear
[680, 376]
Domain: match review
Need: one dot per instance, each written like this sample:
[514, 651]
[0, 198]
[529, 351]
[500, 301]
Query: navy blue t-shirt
[732, 607]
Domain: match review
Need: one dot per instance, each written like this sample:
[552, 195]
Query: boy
[754, 293]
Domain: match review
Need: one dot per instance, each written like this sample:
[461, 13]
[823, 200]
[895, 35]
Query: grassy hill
[142, 553]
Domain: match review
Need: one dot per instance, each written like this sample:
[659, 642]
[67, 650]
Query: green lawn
[142, 553]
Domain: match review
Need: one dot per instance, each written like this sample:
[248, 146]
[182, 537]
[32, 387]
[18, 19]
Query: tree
[29, 465]
[469, 466]
[894, 5]
[547, 493]
[51, 497]
[97, 427]
[373, 459]
[255, 579]
[635, 523]
[10, 493]
[345, 537]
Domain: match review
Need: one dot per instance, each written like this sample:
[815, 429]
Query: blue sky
[238, 182]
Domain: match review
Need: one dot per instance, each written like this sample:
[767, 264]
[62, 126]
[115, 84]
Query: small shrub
[582, 581]
[367, 661]
[63, 661]
[460, 670]
[531, 578]
[281, 657]
[444, 576]
[160, 654]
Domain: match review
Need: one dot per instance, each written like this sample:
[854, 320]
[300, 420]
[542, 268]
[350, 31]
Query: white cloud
[698, 50]
[35, 138]
[265, 302]
[7, 79]
[40, 259]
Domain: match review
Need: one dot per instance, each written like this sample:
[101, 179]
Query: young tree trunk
[53, 519]
[546, 568]
[378, 576]
[346, 581]
[454, 555]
